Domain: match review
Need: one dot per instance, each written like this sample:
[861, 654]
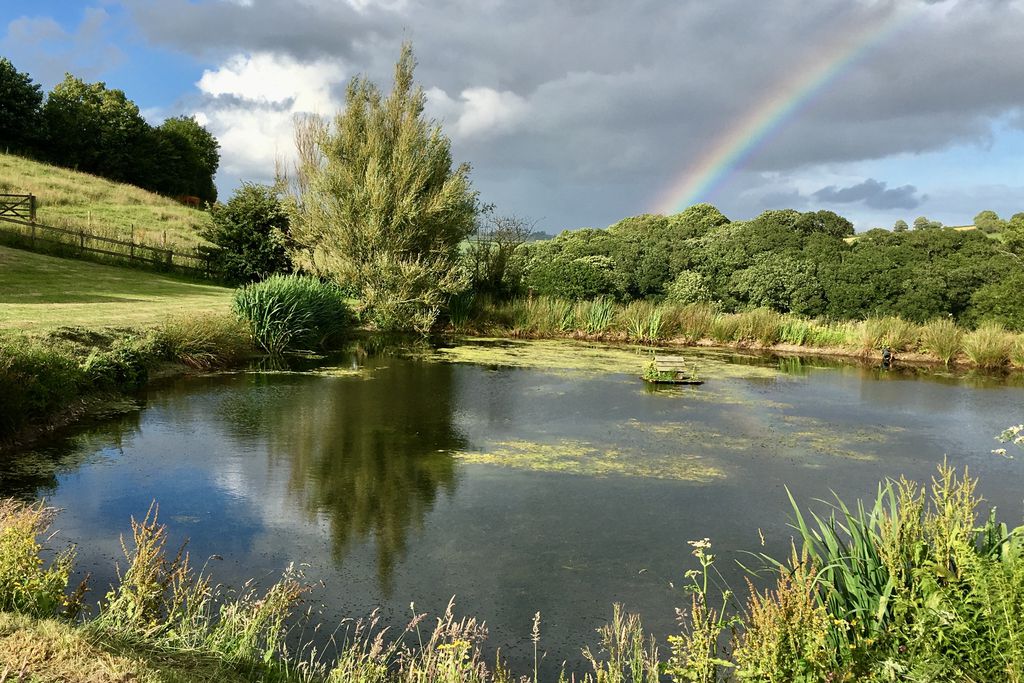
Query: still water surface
[518, 477]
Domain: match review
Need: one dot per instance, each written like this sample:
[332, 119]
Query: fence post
[32, 212]
[81, 240]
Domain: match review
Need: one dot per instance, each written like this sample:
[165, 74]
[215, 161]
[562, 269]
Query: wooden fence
[17, 219]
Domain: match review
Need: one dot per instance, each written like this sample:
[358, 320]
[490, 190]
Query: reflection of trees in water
[370, 453]
[32, 474]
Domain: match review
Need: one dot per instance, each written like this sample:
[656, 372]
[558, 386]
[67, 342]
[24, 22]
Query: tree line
[789, 261]
[95, 129]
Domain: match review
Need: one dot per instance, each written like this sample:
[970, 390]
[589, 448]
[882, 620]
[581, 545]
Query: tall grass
[205, 342]
[692, 322]
[642, 321]
[989, 346]
[646, 322]
[889, 331]
[595, 316]
[293, 312]
[762, 325]
[942, 338]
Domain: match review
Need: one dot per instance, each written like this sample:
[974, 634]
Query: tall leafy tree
[95, 129]
[989, 222]
[379, 204]
[193, 158]
[21, 103]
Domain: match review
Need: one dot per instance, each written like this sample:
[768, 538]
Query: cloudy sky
[580, 112]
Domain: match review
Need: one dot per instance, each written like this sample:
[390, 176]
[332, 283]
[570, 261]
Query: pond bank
[49, 383]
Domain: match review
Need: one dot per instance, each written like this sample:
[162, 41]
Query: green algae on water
[576, 358]
[581, 457]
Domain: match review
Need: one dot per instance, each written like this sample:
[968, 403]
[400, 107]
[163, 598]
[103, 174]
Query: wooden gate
[20, 207]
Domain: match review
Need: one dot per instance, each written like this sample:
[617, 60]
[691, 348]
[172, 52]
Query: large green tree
[193, 155]
[21, 103]
[379, 204]
[95, 129]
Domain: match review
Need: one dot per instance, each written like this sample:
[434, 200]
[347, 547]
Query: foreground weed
[786, 634]
[27, 584]
[627, 655]
[697, 655]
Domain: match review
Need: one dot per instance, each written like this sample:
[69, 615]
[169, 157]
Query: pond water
[517, 476]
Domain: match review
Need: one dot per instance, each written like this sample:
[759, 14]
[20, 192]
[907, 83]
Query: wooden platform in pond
[677, 380]
[673, 370]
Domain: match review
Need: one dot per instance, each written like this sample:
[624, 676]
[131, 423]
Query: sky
[579, 113]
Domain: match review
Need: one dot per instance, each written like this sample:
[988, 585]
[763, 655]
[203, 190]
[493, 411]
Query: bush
[250, 235]
[125, 365]
[292, 312]
[688, 287]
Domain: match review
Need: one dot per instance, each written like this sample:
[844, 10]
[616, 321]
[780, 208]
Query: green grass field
[70, 199]
[41, 293]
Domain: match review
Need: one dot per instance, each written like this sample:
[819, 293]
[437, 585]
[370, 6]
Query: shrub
[942, 338]
[292, 312]
[989, 346]
[250, 235]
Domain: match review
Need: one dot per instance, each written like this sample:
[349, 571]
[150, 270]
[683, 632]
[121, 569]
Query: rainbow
[700, 180]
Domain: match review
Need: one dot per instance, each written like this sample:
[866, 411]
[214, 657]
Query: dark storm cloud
[624, 96]
[873, 194]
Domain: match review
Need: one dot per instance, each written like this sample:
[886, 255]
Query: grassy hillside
[39, 293]
[67, 198]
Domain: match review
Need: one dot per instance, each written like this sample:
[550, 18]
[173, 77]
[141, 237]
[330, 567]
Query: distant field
[67, 198]
[40, 293]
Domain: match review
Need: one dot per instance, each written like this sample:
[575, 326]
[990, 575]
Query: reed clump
[941, 338]
[761, 325]
[205, 342]
[989, 346]
[293, 312]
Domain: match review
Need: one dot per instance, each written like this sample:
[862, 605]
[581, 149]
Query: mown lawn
[40, 293]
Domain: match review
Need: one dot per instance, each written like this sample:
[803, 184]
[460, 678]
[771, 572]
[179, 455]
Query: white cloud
[252, 102]
[267, 77]
[479, 111]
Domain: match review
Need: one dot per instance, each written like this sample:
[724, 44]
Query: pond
[516, 476]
